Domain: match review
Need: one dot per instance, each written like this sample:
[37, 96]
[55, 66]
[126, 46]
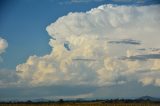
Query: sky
[74, 49]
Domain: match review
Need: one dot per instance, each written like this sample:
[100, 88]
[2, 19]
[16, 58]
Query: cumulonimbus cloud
[82, 32]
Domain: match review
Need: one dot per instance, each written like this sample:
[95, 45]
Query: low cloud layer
[87, 59]
[8, 78]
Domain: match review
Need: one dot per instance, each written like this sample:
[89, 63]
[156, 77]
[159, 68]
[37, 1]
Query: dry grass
[84, 104]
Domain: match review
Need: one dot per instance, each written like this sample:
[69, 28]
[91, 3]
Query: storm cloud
[81, 31]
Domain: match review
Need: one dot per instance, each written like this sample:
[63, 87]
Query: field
[83, 104]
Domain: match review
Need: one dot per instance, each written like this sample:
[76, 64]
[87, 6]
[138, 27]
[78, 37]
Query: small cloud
[3, 45]
[146, 81]
[150, 80]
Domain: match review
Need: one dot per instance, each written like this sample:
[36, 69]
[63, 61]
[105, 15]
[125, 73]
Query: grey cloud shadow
[83, 59]
[150, 49]
[125, 41]
[142, 57]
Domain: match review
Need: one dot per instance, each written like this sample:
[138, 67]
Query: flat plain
[82, 104]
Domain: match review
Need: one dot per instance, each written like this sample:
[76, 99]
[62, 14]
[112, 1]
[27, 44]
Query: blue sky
[28, 26]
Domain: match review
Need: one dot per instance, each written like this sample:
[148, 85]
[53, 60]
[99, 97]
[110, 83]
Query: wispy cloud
[78, 1]
[143, 2]
[83, 59]
[142, 57]
[126, 41]
[149, 49]
[84, 1]
[138, 1]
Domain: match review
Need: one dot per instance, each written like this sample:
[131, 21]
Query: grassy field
[85, 104]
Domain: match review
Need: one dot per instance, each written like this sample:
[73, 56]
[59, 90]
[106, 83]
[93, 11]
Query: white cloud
[3, 45]
[150, 80]
[147, 80]
[156, 65]
[6, 76]
[157, 82]
[87, 35]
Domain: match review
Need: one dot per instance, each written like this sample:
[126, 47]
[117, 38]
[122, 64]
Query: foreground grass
[83, 104]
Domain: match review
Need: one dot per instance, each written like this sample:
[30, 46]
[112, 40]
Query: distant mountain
[149, 98]
[143, 98]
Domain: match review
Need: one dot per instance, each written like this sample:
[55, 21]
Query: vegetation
[61, 102]
[82, 104]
